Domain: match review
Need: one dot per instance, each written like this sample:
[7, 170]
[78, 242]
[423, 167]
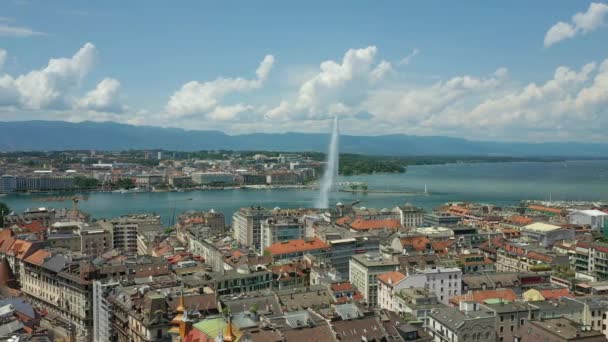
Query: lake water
[498, 183]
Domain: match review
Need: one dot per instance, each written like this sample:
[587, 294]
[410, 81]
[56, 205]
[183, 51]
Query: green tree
[4, 210]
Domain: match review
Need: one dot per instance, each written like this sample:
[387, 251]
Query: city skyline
[515, 72]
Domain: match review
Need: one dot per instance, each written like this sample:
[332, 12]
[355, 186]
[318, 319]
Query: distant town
[160, 171]
[461, 272]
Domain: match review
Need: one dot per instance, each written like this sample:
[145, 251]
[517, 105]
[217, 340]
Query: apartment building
[247, 225]
[364, 272]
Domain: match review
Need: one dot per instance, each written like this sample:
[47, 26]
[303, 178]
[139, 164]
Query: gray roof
[11, 327]
[56, 263]
[453, 318]
[20, 305]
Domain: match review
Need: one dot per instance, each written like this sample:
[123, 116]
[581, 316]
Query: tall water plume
[331, 168]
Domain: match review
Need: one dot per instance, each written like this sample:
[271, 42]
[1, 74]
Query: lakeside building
[36, 182]
[514, 257]
[596, 219]
[212, 178]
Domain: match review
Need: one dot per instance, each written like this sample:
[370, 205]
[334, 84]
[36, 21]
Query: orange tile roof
[521, 220]
[6, 244]
[441, 247]
[556, 293]
[482, 296]
[360, 224]
[418, 243]
[38, 257]
[34, 227]
[343, 221]
[6, 233]
[295, 246]
[20, 248]
[339, 287]
[390, 278]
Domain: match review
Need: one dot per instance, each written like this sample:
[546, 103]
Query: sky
[502, 71]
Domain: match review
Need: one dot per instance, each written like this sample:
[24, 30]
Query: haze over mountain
[59, 135]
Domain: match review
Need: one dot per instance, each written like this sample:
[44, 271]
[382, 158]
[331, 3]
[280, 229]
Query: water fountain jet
[331, 168]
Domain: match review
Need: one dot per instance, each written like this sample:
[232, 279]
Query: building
[525, 258]
[125, 230]
[102, 310]
[594, 218]
[282, 178]
[212, 178]
[441, 219]
[546, 234]
[557, 329]
[364, 272]
[8, 184]
[452, 325]
[295, 249]
[62, 287]
[281, 229]
[147, 180]
[510, 318]
[247, 224]
[443, 282]
[411, 216]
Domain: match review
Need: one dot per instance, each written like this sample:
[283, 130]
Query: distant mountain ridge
[60, 135]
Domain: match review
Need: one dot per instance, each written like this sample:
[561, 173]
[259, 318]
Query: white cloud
[202, 97]
[408, 59]
[228, 113]
[2, 58]
[381, 70]
[48, 87]
[582, 23]
[9, 29]
[104, 98]
[52, 91]
[344, 81]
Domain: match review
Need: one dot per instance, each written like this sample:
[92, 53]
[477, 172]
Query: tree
[4, 210]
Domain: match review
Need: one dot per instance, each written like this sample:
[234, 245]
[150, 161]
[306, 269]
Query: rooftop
[295, 246]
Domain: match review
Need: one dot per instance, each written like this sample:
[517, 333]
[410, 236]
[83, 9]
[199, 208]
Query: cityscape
[442, 176]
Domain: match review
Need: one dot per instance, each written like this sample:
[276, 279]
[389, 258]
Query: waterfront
[499, 183]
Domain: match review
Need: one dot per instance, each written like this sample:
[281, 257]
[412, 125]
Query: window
[502, 319]
[502, 329]
[521, 321]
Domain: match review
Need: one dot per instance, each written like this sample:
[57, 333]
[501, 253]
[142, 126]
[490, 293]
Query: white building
[443, 282]
[206, 178]
[546, 234]
[596, 219]
[102, 310]
[411, 216]
[363, 273]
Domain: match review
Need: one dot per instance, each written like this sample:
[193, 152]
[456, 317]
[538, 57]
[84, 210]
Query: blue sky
[517, 70]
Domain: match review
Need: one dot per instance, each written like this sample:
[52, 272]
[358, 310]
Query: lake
[498, 183]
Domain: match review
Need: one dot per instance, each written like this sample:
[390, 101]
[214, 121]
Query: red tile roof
[339, 287]
[520, 220]
[556, 293]
[295, 246]
[33, 227]
[360, 224]
[38, 257]
[390, 278]
[418, 243]
[343, 221]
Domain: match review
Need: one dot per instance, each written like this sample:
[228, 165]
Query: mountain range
[60, 135]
